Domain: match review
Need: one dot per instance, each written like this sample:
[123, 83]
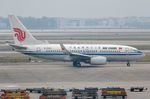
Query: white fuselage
[111, 52]
[95, 54]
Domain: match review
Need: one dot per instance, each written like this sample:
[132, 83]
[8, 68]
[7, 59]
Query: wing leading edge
[75, 56]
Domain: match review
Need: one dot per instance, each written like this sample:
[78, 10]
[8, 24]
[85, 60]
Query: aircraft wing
[64, 49]
[75, 55]
[80, 56]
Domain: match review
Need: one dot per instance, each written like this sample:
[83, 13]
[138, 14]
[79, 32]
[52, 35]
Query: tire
[76, 64]
[123, 97]
[128, 64]
[94, 97]
[76, 97]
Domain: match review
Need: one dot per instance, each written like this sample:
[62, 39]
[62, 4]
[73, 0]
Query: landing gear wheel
[76, 64]
[128, 64]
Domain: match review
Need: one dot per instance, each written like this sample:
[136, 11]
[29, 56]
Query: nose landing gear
[128, 64]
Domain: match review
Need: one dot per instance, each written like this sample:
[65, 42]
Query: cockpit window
[137, 51]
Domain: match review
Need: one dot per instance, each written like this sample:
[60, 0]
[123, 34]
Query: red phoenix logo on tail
[20, 34]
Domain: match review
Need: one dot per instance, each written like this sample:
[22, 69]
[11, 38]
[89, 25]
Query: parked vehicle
[85, 93]
[14, 94]
[115, 91]
[137, 89]
[36, 90]
[53, 94]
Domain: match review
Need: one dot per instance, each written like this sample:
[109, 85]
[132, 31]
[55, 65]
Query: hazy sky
[75, 8]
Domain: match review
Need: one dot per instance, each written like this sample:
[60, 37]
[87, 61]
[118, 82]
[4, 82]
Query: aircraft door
[127, 53]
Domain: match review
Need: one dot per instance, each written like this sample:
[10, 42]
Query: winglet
[64, 49]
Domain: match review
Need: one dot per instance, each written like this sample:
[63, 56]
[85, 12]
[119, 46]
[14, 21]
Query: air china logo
[20, 34]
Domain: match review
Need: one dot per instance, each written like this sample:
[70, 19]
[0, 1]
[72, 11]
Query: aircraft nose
[143, 54]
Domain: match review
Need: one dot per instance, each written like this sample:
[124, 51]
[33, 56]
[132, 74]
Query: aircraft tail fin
[21, 35]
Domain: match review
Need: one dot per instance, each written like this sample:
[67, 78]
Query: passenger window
[38, 49]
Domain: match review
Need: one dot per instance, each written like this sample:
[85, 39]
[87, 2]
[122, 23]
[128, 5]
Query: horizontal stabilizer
[17, 46]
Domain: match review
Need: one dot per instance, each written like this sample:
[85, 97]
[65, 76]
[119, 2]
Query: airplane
[93, 54]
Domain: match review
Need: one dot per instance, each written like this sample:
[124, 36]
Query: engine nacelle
[99, 60]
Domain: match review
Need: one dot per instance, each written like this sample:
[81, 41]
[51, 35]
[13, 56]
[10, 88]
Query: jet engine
[98, 60]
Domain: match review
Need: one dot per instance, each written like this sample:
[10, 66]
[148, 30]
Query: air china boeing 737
[94, 54]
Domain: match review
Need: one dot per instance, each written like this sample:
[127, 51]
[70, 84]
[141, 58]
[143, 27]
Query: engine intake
[98, 60]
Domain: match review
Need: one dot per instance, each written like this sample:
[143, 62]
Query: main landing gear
[76, 64]
[128, 64]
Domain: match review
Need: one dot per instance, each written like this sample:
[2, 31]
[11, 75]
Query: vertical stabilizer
[20, 34]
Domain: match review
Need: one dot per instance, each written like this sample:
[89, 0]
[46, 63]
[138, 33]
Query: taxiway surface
[50, 73]
[63, 75]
